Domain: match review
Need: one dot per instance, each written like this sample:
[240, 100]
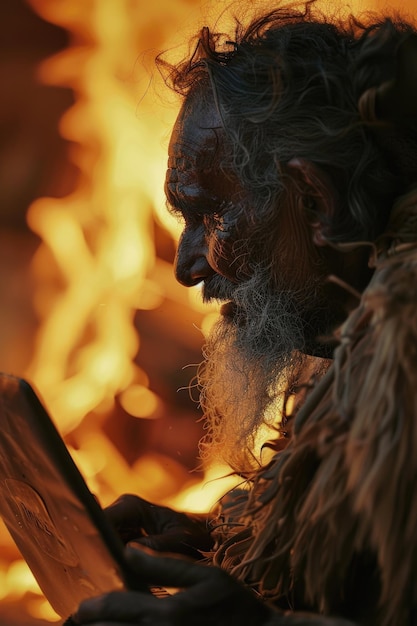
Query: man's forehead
[197, 137]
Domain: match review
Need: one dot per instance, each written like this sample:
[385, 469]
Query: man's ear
[320, 197]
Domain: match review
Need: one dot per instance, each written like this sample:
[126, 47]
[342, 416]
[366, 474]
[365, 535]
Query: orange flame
[96, 264]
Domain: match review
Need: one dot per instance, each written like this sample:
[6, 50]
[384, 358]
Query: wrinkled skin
[220, 242]
[206, 199]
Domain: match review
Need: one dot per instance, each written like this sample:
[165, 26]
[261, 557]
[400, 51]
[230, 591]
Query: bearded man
[293, 165]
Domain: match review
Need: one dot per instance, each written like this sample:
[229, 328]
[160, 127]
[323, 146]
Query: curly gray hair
[288, 86]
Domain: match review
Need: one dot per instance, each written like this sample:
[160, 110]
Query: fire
[97, 264]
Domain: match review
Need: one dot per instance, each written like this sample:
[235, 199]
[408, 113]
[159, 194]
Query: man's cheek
[229, 258]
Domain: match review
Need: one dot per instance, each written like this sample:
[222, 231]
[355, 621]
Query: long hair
[330, 524]
[288, 86]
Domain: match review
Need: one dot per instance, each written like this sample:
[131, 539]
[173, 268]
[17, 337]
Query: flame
[96, 265]
[97, 262]
[98, 237]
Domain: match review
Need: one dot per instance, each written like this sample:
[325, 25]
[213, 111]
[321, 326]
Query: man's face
[223, 245]
[208, 200]
[262, 325]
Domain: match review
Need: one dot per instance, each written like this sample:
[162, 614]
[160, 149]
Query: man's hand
[159, 527]
[208, 597]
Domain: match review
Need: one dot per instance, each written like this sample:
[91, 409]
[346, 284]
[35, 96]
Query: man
[292, 147]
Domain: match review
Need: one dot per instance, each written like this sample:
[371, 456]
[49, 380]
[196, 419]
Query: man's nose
[191, 265]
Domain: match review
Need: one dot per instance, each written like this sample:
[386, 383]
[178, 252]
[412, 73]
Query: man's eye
[223, 220]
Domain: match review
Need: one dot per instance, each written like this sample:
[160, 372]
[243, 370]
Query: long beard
[250, 357]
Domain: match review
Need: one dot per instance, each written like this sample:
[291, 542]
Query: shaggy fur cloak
[331, 523]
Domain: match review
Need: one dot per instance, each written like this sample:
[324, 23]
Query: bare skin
[205, 199]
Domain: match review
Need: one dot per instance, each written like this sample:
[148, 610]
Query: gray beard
[250, 357]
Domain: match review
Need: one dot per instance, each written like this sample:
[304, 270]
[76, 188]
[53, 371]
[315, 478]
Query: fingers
[125, 515]
[131, 511]
[121, 607]
[188, 545]
[166, 571]
[159, 527]
[208, 597]
[205, 589]
[127, 508]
